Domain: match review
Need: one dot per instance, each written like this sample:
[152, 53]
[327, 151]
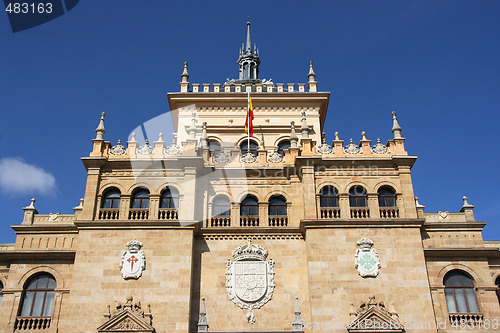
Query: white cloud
[19, 177]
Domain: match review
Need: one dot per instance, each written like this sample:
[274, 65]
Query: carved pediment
[375, 317]
[128, 317]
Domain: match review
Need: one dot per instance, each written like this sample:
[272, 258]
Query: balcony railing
[249, 221]
[360, 213]
[32, 323]
[220, 221]
[138, 214]
[109, 214]
[167, 214]
[330, 212]
[466, 319]
[278, 221]
[389, 212]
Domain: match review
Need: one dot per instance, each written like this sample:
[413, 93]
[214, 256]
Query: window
[386, 197]
[140, 199]
[249, 206]
[214, 147]
[497, 282]
[169, 198]
[38, 296]
[253, 147]
[111, 199]
[357, 196]
[459, 293]
[1, 288]
[221, 206]
[329, 197]
[277, 205]
[282, 146]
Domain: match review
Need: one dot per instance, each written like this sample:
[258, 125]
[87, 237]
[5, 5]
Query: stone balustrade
[263, 87]
[220, 221]
[32, 323]
[467, 320]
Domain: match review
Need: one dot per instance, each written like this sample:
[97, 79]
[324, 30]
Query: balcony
[360, 213]
[249, 221]
[167, 214]
[220, 221]
[32, 323]
[109, 214]
[330, 212]
[389, 212]
[138, 213]
[278, 221]
[466, 319]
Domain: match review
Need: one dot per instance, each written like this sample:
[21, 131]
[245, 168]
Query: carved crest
[250, 278]
[118, 149]
[324, 148]
[173, 149]
[275, 157]
[222, 158]
[352, 149]
[248, 158]
[374, 317]
[379, 148]
[367, 260]
[146, 149]
[128, 317]
[133, 261]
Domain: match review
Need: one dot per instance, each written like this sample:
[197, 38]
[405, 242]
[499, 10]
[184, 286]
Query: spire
[248, 48]
[396, 129]
[248, 60]
[311, 75]
[100, 130]
[202, 321]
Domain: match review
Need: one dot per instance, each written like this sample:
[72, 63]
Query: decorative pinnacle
[396, 129]
[185, 75]
[248, 47]
[311, 75]
[363, 136]
[100, 129]
[337, 136]
[32, 203]
[417, 204]
[202, 321]
[466, 203]
[293, 137]
[304, 129]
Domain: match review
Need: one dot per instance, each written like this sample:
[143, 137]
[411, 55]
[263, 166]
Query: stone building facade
[218, 232]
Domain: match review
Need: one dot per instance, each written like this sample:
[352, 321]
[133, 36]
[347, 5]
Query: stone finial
[396, 129]
[192, 128]
[185, 75]
[468, 209]
[132, 138]
[311, 75]
[32, 204]
[466, 203]
[417, 204]
[337, 136]
[293, 136]
[297, 324]
[202, 321]
[363, 136]
[304, 129]
[204, 136]
[100, 130]
[160, 137]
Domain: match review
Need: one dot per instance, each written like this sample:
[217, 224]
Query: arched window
[358, 196]
[38, 296]
[249, 206]
[277, 205]
[497, 282]
[253, 147]
[140, 199]
[282, 146]
[214, 147]
[386, 197]
[169, 198]
[221, 206]
[1, 289]
[329, 197]
[111, 199]
[459, 292]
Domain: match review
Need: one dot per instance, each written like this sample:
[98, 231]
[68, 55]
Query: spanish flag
[249, 120]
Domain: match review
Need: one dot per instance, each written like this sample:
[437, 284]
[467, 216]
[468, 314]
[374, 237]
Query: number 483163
[29, 8]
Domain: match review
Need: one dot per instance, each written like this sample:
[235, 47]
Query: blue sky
[434, 62]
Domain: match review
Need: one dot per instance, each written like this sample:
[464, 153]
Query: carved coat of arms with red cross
[133, 261]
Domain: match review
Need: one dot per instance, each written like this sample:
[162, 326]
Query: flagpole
[248, 122]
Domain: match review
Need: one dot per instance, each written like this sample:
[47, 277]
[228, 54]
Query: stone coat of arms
[367, 260]
[133, 261]
[250, 278]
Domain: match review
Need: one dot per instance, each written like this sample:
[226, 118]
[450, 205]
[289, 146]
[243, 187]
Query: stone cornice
[135, 224]
[364, 223]
[45, 229]
[248, 230]
[460, 253]
[459, 226]
[37, 255]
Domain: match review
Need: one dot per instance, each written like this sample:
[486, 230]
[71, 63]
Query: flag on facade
[249, 120]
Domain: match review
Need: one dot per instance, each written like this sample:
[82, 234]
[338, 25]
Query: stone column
[373, 205]
[124, 206]
[345, 208]
[235, 214]
[263, 214]
[410, 210]
[187, 213]
[154, 206]
[91, 191]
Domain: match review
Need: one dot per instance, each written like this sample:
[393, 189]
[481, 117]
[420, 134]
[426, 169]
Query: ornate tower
[248, 60]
